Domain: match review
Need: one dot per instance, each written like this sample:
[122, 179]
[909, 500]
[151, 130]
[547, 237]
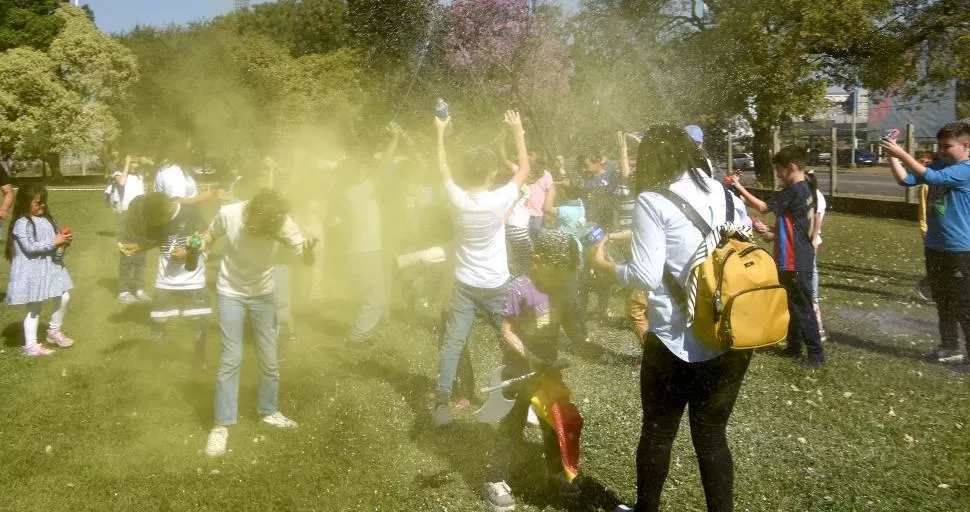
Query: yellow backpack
[738, 302]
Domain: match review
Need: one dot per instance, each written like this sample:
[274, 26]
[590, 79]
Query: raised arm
[440, 125]
[503, 154]
[388, 155]
[514, 121]
[121, 180]
[749, 199]
[624, 157]
[896, 151]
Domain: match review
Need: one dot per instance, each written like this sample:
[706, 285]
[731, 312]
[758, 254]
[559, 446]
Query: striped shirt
[794, 209]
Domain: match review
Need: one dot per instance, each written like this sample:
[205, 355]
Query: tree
[59, 102]
[29, 23]
[770, 60]
[499, 52]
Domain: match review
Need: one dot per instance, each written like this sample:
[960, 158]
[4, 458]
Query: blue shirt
[571, 218]
[794, 209]
[947, 205]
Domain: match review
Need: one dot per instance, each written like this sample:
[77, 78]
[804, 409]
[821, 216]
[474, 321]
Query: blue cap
[695, 133]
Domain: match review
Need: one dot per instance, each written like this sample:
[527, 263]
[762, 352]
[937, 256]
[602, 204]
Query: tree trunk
[763, 169]
[54, 162]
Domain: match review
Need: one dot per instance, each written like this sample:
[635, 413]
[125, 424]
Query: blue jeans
[368, 276]
[262, 316]
[465, 302]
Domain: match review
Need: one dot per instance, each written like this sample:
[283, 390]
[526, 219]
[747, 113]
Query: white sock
[60, 309]
[31, 321]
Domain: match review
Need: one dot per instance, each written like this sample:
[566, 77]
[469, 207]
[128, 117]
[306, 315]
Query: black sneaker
[499, 496]
[789, 351]
[944, 355]
[811, 363]
[443, 415]
[564, 487]
[923, 290]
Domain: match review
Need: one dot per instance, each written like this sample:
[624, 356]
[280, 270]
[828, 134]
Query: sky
[114, 16]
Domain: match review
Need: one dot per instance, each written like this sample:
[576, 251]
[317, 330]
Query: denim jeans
[282, 293]
[803, 326]
[131, 270]
[465, 302]
[368, 274]
[232, 316]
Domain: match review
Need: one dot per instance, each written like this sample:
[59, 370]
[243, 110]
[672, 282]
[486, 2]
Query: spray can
[59, 253]
[441, 110]
[192, 253]
[891, 134]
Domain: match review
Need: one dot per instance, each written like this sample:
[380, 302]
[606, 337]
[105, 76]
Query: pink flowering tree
[504, 53]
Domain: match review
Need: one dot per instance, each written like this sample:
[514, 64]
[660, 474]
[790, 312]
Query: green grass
[126, 419]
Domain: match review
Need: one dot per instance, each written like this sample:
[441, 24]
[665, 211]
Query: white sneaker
[499, 496]
[215, 445]
[279, 421]
[127, 298]
[142, 296]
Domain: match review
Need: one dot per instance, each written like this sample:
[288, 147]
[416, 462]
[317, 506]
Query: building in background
[240, 5]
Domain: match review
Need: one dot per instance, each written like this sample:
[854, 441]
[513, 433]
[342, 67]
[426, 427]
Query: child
[35, 248]
[179, 291]
[923, 286]
[794, 208]
[530, 326]
[481, 262]
[947, 240]
[254, 231]
[129, 184]
[570, 218]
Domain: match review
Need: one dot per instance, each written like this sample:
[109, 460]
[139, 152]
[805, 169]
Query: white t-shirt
[134, 187]
[480, 258]
[246, 269]
[364, 217]
[822, 205]
[175, 182]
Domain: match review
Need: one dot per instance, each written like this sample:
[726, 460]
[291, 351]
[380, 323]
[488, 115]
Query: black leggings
[710, 388]
[949, 277]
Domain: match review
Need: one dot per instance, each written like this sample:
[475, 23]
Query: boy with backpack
[794, 209]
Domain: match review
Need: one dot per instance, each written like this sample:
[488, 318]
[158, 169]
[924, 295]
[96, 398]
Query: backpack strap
[728, 205]
[676, 290]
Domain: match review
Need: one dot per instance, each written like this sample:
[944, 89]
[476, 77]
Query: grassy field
[119, 422]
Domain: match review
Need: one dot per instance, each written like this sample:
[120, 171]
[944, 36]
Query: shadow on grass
[851, 340]
[13, 334]
[599, 354]
[869, 291]
[106, 233]
[132, 314]
[465, 445]
[825, 267]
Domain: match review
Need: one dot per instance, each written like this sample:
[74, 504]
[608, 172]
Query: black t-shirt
[794, 209]
[599, 198]
[4, 177]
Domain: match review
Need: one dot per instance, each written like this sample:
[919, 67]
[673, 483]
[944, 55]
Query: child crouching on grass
[35, 248]
[159, 221]
[531, 322]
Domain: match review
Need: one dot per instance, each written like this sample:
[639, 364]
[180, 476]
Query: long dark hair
[813, 185]
[665, 153]
[21, 208]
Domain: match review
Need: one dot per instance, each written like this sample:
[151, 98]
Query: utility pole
[855, 142]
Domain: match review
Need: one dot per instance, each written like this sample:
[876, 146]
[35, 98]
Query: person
[570, 218]
[923, 286]
[176, 182]
[129, 183]
[678, 370]
[35, 249]
[795, 210]
[170, 226]
[531, 320]
[112, 194]
[519, 219]
[599, 188]
[541, 185]
[365, 250]
[254, 230]
[6, 188]
[947, 240]
[481, 262]
[821, 206]
[696, 134]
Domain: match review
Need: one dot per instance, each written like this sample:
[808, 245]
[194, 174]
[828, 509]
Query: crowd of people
[518, 239]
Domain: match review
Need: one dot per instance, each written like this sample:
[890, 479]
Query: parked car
[862, 157]
[743, 161]
[816, 157]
